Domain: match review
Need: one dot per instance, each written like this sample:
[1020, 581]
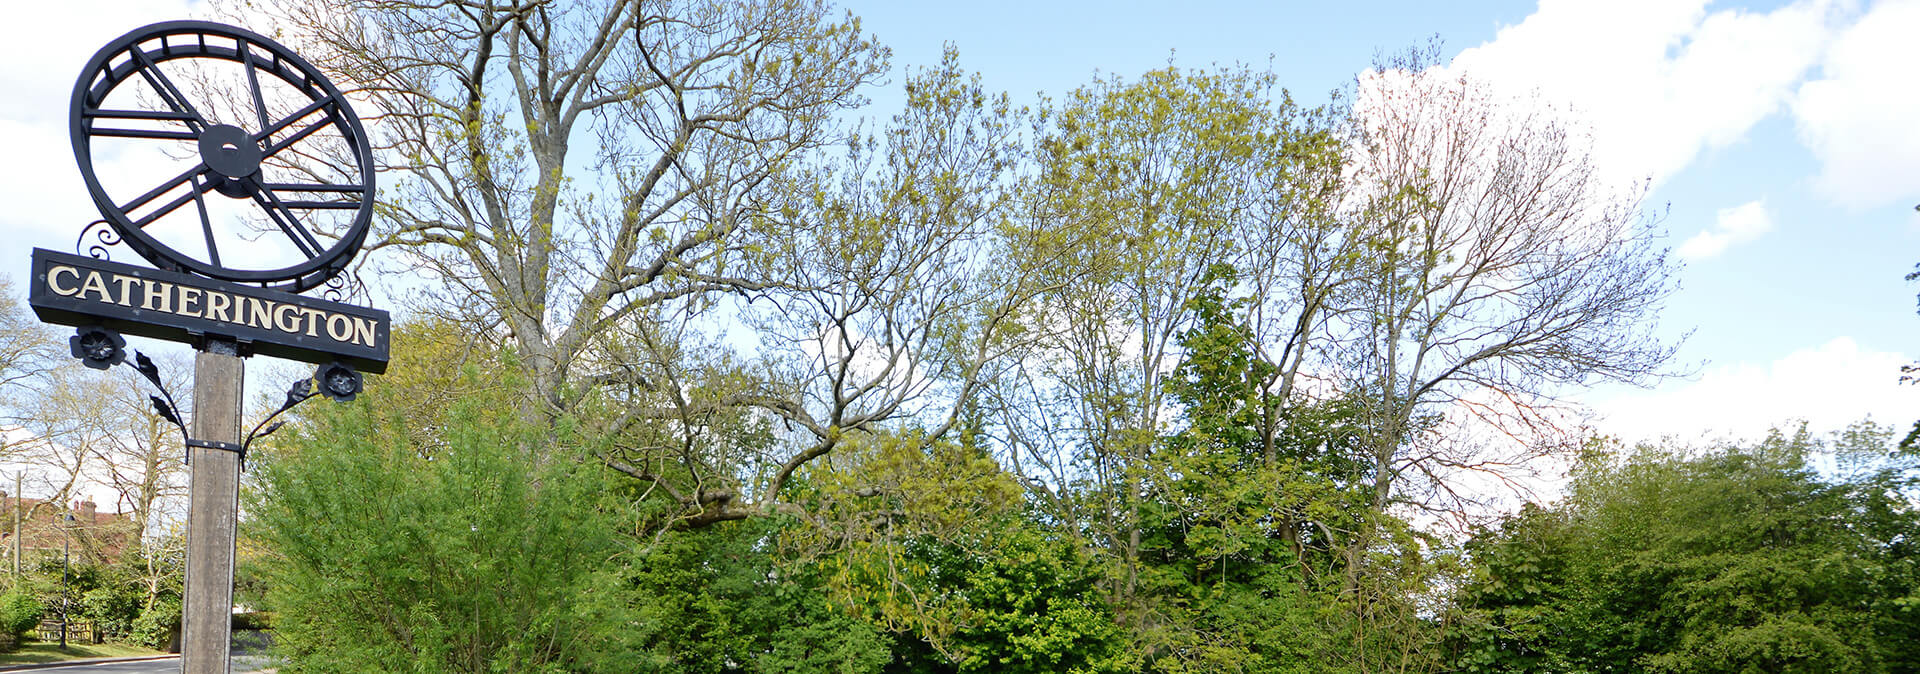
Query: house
[47, 528]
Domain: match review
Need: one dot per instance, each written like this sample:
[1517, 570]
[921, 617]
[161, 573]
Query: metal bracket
[216, 444]
[101, 348]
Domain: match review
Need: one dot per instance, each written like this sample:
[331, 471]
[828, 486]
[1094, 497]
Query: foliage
[927, 539]
[1738, 559]
[113, 608]
[158, 623]
[1265, 553]
[19, 614]
[1143, 379]
[464, 555]
[713, 600]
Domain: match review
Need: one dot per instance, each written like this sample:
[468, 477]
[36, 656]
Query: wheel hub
[230, 152]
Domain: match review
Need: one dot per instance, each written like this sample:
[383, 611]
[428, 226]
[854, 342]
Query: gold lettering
[262, 315]
[157, 290]
[95, 284]
[126, 289]
[340, 327]
[286, 317]
[189, 296]
[362, 330]
[52, 282]
[217, 304]
[313, 322]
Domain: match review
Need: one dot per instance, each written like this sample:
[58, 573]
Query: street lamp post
[66, 560]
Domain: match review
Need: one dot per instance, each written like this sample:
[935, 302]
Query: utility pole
[218, 375]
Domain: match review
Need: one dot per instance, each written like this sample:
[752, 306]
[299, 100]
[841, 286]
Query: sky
[1781, 142]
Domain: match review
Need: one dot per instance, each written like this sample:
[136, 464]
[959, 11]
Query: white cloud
[1862, 118]
[1739, 224]
[43, 46]
[1828, 386]
[1659, 80]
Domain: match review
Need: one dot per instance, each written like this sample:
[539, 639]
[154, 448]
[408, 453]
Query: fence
[78, 631]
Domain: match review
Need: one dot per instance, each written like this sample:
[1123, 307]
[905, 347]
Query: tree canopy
[705, 366]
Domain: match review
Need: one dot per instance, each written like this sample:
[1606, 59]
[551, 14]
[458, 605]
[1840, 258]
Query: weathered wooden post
[213, 487]
[242, 146]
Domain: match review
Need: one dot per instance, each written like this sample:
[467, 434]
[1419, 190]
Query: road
[241, 665]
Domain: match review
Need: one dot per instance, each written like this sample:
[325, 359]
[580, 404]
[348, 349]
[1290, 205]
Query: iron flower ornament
[337, 381]
[98, 348]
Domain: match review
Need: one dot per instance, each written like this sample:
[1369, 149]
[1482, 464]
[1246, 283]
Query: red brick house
[46, 527]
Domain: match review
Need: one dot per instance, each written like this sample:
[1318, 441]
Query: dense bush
[113, 608]
[157, 625]
[19, 613]
[1737, 559]
[467, 556]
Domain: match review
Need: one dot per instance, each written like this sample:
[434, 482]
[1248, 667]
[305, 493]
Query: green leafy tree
[1738, 559]
[1142, 188]
[1257, 506]
[714, 600]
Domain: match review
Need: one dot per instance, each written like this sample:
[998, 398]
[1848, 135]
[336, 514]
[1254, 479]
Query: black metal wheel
[247, 146]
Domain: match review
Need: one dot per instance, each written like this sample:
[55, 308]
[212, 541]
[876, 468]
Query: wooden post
[207, 620]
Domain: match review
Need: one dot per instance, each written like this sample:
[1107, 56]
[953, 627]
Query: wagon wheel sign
[131, 93]
[242, 174]
[245, 178]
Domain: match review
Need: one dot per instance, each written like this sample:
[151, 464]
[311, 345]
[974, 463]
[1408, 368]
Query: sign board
[77, 290]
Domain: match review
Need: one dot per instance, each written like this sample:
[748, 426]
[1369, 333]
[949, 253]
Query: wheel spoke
[136, 114]
[253, 82]
[288, 120]
[164, 86]
[206, 225]
[336, 205]
[313, 187]
[144, 133]
[92, 114]
[342, 190]
[165, 187]
[193, 193]
[286, 220]
[297, 136]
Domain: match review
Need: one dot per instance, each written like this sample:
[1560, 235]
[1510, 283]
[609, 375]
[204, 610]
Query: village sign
[280, 178]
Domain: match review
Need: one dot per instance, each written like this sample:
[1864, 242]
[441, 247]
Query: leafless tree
[1499, 269]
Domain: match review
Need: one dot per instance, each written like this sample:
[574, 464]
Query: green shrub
[157, 624]
[19, 614]
[113, 608]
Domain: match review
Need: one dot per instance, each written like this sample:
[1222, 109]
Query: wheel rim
[226, 156]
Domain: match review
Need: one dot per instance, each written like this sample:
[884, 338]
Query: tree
[28, 350]
[1498, 268]
[709, 190]
[1252, 536]
[686, 116]
[882, 306]
[929, 540]
[27, 346]
[1730, 560]
[1144, 189]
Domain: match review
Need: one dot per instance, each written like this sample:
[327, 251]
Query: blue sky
[1783, 140]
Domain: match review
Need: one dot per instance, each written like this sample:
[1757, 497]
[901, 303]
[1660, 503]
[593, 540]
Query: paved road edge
[76, 663]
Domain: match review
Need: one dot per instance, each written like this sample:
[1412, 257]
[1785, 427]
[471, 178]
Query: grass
[37, 652]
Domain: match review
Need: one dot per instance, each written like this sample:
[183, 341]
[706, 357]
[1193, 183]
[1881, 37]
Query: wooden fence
[78, 632]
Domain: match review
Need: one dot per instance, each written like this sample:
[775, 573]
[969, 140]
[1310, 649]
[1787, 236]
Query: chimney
[86, 511]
